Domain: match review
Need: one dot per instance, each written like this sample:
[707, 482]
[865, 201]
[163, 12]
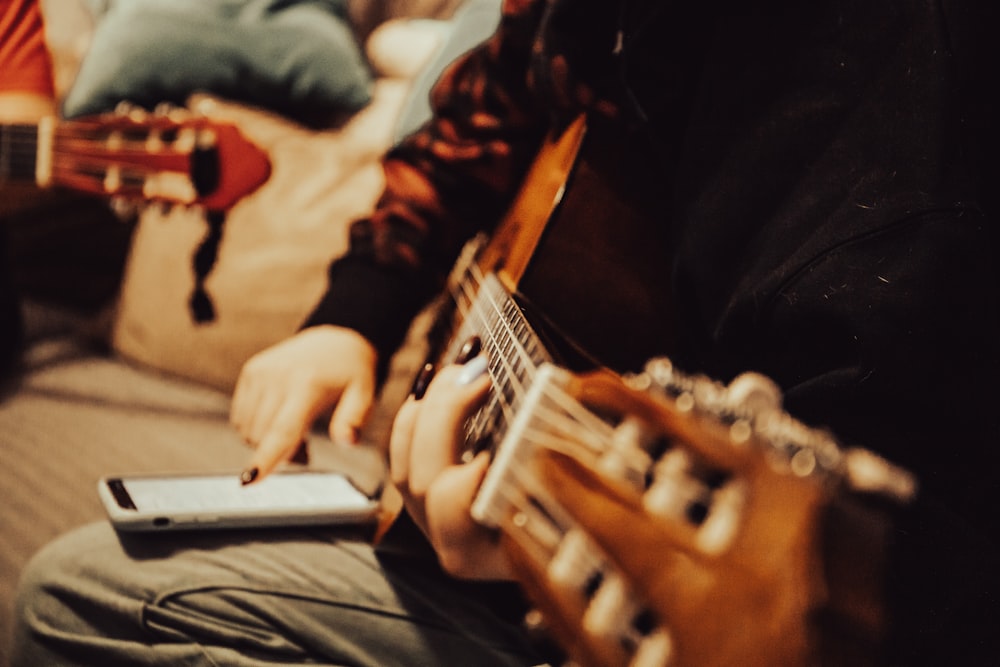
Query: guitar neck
[488, 311]
[19, 152]
[179, 159]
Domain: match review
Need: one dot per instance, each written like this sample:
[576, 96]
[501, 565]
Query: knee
[58, 596]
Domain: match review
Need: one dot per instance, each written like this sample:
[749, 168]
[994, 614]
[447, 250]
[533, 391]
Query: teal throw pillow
[297, 57]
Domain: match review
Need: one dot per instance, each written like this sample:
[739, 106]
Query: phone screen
[205, 500]
[301, 490]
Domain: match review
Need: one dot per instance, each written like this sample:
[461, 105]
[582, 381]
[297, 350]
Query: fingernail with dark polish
[247, 476]
[422, 381]
[471, 349]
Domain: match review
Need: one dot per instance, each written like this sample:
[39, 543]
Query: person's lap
[248, 598]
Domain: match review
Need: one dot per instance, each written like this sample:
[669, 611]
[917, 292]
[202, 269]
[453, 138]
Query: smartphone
[212, 501]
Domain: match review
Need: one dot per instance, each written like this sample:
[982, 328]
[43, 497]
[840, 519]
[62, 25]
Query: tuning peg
[132, 112]
[754, 393]
[172, 112]
[203, 105]
[124, 209]
[164, 109]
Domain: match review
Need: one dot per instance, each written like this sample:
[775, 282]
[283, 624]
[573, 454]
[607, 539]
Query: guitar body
[584, 259]
[601, 274]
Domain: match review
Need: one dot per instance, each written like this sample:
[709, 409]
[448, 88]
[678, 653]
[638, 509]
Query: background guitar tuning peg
[133, 112]
[172, 112]
[125, 209]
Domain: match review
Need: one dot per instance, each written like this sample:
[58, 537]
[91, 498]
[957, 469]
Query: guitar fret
[511, 346]
[18, 152]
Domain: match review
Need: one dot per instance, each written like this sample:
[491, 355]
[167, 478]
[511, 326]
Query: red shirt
[25, 62]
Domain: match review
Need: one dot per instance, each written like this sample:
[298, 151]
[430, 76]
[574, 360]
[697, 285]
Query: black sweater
[822, 178]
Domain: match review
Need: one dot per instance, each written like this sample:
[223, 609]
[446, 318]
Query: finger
[282, 438]
[465, 547]
[244, 405]
[351, 412]
[399, 443]
[438, 436]
[263, 414]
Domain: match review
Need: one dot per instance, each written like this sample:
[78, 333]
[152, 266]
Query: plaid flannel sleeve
[449, 180]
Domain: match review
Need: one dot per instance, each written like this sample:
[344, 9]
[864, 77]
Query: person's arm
[27, 91]
[452, 178]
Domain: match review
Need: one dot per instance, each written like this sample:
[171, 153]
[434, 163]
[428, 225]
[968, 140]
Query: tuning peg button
[172, 112]
[133, 112]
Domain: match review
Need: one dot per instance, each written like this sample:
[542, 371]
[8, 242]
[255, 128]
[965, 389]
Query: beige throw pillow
[277, 242]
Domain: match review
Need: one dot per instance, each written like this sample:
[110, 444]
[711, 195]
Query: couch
[115, 374]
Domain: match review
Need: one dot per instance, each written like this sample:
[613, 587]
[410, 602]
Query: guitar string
[486, 314]
[509, 385]
[498, 404]
[26, 136]
[475, 291]
[547, 533]
[495, 332]
[557, 423]
[562, 424]
[18, 154]
[523, 486]
[466, 297]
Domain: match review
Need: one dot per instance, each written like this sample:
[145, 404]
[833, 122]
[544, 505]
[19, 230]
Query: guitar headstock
[168, 156]
[666, 519]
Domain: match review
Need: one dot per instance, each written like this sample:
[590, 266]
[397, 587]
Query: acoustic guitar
[739, 515]
[172, 156]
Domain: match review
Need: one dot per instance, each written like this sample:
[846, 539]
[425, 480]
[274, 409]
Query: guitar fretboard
[512, 347]
[18, 152]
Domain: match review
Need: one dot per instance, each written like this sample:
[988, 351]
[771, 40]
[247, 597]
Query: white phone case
[213, 501]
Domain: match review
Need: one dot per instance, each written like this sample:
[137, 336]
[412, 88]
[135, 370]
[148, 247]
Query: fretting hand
[425, 461]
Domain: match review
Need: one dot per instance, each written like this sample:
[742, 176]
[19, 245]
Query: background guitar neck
[18, 152]
[176, 158]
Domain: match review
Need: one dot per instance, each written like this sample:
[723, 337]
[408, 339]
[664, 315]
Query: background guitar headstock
[168, 156]
[666, 519]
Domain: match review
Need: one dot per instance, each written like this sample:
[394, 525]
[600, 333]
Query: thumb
[351, 412]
